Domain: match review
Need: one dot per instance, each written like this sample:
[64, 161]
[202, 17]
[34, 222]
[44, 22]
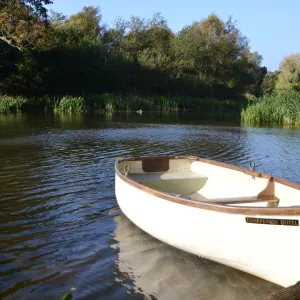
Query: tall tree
[254, 73]
[269, 82]
[83, 27]
[289, 76]
[211, 51]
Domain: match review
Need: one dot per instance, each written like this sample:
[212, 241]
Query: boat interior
[209, 182]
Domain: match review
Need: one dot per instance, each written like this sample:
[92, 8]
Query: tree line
[44, 52]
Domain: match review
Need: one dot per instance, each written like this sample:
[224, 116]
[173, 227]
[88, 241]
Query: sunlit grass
[112, 102]
[70, 104]
[11, 104]
[279, 108]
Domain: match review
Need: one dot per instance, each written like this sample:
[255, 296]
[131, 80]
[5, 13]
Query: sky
[272, 26]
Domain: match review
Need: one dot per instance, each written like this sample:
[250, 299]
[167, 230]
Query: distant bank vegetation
[136, 64]
[80, 55]
[277, 108]
[280, 103]
[111, 103]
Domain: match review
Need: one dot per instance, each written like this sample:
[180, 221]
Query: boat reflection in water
[159, 271]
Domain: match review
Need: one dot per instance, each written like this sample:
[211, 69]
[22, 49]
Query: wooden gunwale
[223, 208]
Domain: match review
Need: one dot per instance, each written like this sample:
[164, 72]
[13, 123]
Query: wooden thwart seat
[240, 200]
[167, 176]
[266, 195]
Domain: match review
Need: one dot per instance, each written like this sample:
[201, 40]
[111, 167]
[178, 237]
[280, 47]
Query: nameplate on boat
[284, 222]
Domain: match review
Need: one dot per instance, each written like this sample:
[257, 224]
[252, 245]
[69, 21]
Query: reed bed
[112, 102]
[12, 104]
[134, 102]
[278, 108]
[70, 104]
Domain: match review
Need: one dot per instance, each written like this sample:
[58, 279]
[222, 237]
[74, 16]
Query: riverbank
[281, 108]
[111, 103]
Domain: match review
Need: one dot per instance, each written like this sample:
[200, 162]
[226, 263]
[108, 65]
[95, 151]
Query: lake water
[60, 225]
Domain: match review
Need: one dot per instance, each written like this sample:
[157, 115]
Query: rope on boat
[252, 166]
[289, 293]
[126, 170]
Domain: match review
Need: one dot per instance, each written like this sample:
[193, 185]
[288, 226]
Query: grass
[278, 108]
[61, 104]
[11, 104]
[70, 104]
[111, 102]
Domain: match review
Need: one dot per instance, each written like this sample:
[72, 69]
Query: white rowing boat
[240, 218]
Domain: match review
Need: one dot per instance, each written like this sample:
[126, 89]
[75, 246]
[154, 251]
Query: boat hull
[268, 251]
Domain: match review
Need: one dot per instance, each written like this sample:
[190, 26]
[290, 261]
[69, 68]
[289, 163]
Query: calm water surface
[60, 225]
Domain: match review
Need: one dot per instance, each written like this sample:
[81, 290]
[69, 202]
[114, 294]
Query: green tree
[83, 27]
[24, 23]
[207, 58]
[113, 38]
[253, 73]
[269, 82]
[212, 51]
[289, 76]
[143, 34]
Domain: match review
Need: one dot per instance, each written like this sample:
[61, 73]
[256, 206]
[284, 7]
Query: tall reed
[12, 104]
[70, 104]
[278, 108]
[112, 102]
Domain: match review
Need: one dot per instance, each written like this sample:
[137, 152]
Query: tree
[24, 23]
[253, 73]
[289, 76]
[142, 34]
[212, 51]
[83, 27]
[147, 43]
[207, 58]
[113, 38]
[157, 52]
[269, 82]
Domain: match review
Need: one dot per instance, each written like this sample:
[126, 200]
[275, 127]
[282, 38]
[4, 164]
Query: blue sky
[272, 26]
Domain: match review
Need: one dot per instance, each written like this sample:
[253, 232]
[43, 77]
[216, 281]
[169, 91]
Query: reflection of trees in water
[126, 134]
[12, 124]
[157, 270]
[12, 119]
[100, 136]
[69, 120]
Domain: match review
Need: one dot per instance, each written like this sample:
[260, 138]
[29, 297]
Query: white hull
[158, 271]
[269, 252]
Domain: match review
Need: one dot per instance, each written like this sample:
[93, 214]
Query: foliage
[211, 51]
[135, 102]
[254, 74]
[280, 108]
[70, 104]
[9, 104]
[81, 28]
[207, 59]
[289, 76]
[113, 102]
[24, 24]
[67, 296]
[269, 82]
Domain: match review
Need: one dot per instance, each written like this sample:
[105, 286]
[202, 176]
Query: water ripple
[57, 227]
